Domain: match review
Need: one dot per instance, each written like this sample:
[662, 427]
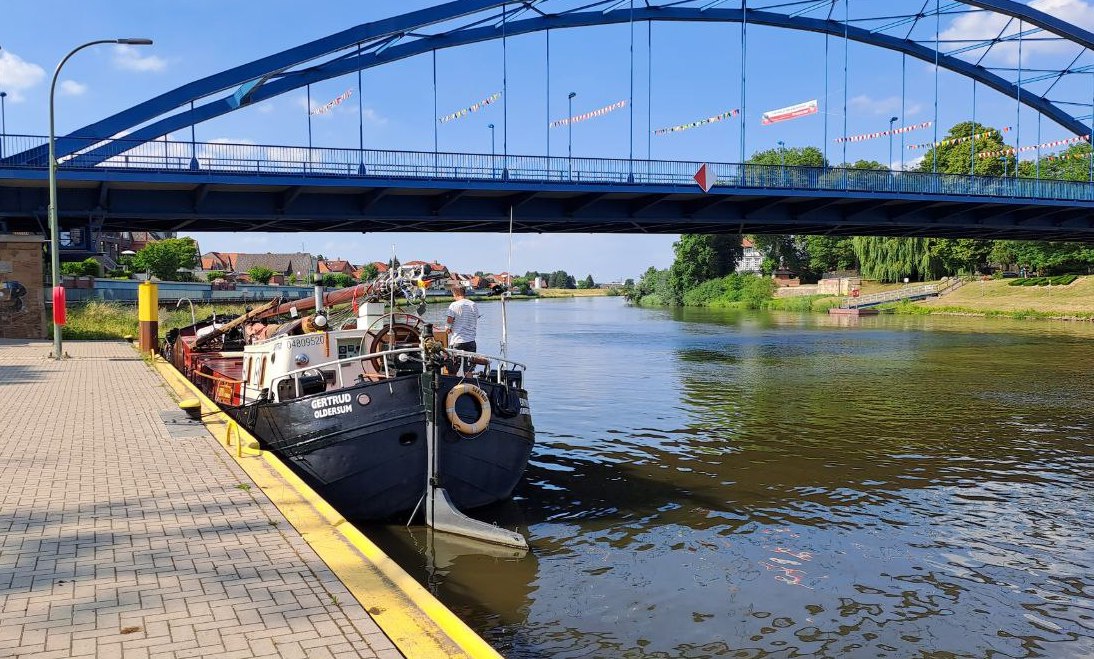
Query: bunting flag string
[471, 108]
[958, 140]
[589, 115]
[1069, 156]
[697, 124]
[1033, 147]
[323, 109]
[883, 133]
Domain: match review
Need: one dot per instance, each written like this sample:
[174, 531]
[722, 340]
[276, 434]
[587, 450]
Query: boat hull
[363, 448]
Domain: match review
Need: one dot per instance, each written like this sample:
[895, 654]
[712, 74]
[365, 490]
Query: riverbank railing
[202, 158]
[905, 293]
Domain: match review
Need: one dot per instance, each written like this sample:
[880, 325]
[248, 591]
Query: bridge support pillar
[22, 300]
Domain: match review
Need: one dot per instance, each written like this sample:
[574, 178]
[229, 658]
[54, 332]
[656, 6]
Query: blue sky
[695, 73]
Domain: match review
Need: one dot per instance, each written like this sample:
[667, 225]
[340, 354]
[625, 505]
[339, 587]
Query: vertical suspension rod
[937, 29]
[1018, 105]
[548, 121]
[972, 133]
[630, 171]
[846, 58]
[744, 78]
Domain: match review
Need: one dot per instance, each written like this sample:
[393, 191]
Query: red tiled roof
[334, 265]
[746, 243]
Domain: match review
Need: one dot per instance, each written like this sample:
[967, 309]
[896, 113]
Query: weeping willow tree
[893, 259]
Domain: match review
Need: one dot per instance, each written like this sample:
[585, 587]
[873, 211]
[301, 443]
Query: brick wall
[22, 260]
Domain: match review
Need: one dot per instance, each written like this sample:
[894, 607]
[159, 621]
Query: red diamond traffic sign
[705, 178]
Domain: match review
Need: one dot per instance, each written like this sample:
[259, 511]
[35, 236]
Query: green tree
[700, 257]
[164, 258]
[830, 253]
[260, 274]
[807, 156]
[89, 267]
[589, 283]
[337, 280]
[1043, 257]
[369, 271]
[215, 274]
[784, 248]
[958, 158]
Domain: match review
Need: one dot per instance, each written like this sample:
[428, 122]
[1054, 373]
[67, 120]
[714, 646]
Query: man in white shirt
[462, 323]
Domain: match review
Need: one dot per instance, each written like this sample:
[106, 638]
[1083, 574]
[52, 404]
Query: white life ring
[461, 426]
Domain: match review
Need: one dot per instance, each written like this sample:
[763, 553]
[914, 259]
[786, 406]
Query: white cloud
[883, 106]
[987, 25]
[373, 117]
[131, 59]
[18, 75]
[72, 88]
[907, 165]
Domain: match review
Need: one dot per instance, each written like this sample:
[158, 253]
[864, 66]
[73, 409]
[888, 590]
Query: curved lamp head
[491, 126]
[893, 119]
[572, 94]
[135, 42]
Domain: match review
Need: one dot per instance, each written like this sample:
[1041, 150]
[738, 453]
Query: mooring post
[148, 313]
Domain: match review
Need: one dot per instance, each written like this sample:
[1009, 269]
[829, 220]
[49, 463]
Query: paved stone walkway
[118, 540]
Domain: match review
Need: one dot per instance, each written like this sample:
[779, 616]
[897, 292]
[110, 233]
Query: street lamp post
[1006, 164]
[54, 231]
[892, 120]
[570, 130]
[492, 151]
[782, 160]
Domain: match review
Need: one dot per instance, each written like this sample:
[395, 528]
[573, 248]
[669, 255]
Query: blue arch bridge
[144, 181]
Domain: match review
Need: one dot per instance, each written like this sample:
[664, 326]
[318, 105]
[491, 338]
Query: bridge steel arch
[270, 76]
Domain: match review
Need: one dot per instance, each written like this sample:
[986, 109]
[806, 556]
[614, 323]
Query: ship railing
[340, 377]
[502, 361]
[210, 383]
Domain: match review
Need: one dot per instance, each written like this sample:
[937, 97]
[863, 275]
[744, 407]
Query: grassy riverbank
[102, 321]
[97, 321]
[998, 299]
[574, 292]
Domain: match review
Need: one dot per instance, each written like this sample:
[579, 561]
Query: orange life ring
[854, 292]
[461, 426]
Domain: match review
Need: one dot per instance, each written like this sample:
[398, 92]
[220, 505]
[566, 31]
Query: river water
[711, 483]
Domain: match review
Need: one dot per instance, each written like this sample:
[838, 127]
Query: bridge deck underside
[285, 204]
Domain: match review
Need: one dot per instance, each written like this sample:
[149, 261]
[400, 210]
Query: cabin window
[273, 357]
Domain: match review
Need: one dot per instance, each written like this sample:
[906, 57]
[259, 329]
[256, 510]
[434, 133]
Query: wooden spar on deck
[229, 326]
[340, 296]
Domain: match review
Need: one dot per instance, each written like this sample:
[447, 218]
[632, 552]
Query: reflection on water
[734, 484]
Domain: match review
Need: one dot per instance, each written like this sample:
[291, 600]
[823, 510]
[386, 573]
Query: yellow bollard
[148, 314]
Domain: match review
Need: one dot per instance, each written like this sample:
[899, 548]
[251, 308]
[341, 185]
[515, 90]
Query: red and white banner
[791, 112]
[1033, 147]
[619, 105]
[884, 133]
[323, 109]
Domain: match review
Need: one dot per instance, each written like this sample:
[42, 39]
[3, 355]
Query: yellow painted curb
[417, 623]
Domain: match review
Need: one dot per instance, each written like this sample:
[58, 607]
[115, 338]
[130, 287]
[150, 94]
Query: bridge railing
[19, 151]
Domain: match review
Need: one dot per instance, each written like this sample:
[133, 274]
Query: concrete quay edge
[417, 623]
